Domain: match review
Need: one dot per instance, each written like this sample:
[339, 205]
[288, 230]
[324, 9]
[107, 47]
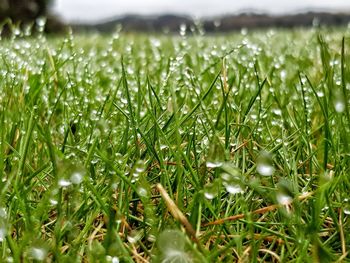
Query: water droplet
[163, 147]
[244, 31]
[112, 259]
[183, 29]
[283, 74]
[253, 116]
[134, 236]
[233, 188]
[213, 164]
[118, 158]
[320, 94]
[41, 21]
[170, 240]
[176, 256]
[277, 112]
[142, 192]
[339, 106]
[64, 182]
[53, 202]
[16, 31]
[38, 253]
[139, 166]
[346, 208]
[284, 194]
[151, 238]
[94, 161]
[217, 23]
[231, 180]
[283, 199]
[172, 244]
[3, 233]
[216, 153]
[76, 177]
[3, 213]
[265, 164]
[210, 191]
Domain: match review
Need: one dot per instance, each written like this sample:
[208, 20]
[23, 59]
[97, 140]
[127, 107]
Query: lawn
[188, 148]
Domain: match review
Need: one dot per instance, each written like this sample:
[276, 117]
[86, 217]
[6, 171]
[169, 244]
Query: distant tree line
[227, 23]
[24, 12]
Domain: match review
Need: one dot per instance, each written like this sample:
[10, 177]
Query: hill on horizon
[172, 22]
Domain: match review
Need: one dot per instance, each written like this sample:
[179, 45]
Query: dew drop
[16, 31]
[134, 236]
[119, 158]
[183, 28]
[139, 167]
[163, 147]
[38, 253]
[346, 208]
[94, 161]
[217, 23]
[283, 199]
[76, 177]
[283, 74]
[3, 213]
[320, 94]
[41, 21]
[265, 165]
[142, 192]
[339, 106]
[176, 256]
[112, 259]
[284, 194]
[216, 153]
[325, 208]
[265, 169]
[277, 112]
[172, 245]
[253, 116]
[231, 180]
[151, 238]
[171, 240]
[3, 233]
[213, 164]
[233, 188]
[53, 202]
[64, 182]
[210, 191]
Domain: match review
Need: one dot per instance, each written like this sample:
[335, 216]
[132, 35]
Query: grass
[135, 148]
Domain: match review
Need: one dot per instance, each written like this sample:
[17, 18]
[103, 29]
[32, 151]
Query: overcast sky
[93, 10]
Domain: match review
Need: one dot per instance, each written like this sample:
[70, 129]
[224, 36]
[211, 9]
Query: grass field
[189, 148]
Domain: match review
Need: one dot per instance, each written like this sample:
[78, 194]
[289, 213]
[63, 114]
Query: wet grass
[135, 148]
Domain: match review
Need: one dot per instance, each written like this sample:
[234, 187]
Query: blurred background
[92, 10]
[168, 16]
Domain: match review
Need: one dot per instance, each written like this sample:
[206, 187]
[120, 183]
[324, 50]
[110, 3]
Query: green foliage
[248, 134]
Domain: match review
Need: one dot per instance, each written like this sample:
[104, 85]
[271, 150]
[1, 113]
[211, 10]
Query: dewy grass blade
[343, 82]
[25, 147]
[328, 140]
[205, 95]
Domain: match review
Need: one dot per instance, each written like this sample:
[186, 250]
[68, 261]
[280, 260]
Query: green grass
[136, 148]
